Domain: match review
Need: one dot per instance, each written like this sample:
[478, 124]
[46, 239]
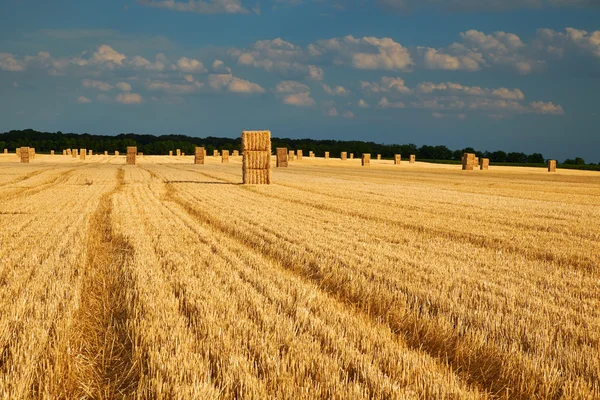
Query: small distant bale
[64, 152]
[344, 155]
[412, 158]
[131, 151]
[225, 156]
[256, 162]
[291, 155]
[311, 154]
[484, 164]
[468, 161]
[366, 159]
[5, 151]
[105, 152]
[199, 154]
[178, 152]
[32, 153]
[116, 152]
[351, 156]
[327, 155]
[140, 153]
[24, 154]
[51, 152]
[299, 155]
[397, 159]
[171, 153]
[90, 152]
[215, 153]
[182, 154]
[379, 156]
[82, 153]
[235, 153]
[281, 157]
[551, 165]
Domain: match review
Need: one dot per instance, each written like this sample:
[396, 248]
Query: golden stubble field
[173, 280]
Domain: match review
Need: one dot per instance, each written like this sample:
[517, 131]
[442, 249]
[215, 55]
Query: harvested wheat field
[167, 280]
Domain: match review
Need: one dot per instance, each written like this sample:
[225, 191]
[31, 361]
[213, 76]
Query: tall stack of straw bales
[311, 154]
[105, 152]
[366, 159]
[82, 154]
[327, 155]
[215, 153]
[299, 155]
[64, 152]
[178, 152]
[351, 156]
[412, 158]
[256, 163]
[225, 156]
[468, 162]
[551, 165]
[291, 155]
[344, 155]
[116, 152]
[131, 151]
[199, 155]
[379, 156]
[281, 157]
[24, 154]
[51, 152]
[32, 153]
[484, 164]
[5, 151]
[90, 152]
[397, 159]
[235, 153]
[171, 153]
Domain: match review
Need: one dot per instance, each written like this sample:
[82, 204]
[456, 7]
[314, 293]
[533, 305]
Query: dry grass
[147, 290]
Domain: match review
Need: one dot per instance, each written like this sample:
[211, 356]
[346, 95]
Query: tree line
[43, 142]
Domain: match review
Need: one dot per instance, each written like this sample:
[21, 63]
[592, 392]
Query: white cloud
[468, 60]
[315, 73]
[385, 103]
[540, 107]
[332, 112]
[129, 98]
[387, 85]
[107, 56]
[302, 99]
[174, 88]
[123, 86]
[199, 6]
[457, 88]
[335, 91]
[219, 67]
[83, 100]
[575, 41]
[189, 78]
[230, 83]
[141, 63]
[9, 63]
[294, 93]
[363, 104]
[190, 65]
[291, 87]
[93, 84]
[348, 114]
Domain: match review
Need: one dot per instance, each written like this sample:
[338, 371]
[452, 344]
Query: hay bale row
[131, 151]
[468, 161]
[235, 153]
[366, 159]
[281, 160]
[256, 162]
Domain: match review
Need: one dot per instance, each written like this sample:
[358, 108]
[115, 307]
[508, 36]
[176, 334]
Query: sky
[515, 75]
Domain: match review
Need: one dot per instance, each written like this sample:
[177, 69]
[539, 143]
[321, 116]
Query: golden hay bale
[327, 155]
[82, 154]
[131, 151]
[366, 159]
[235, 153]
[199, 154]
[397, 159]
[291, 155]
[171, 153]
[105, 152]
[178, 152]
[412, 158]
[282, 157]
[215, 153]
[182, 154]
[256, 162]
[64, 152]
[116, 152]
[311, 154]
[344, 155]
[32, 153]
[351, 156]
[468, 161]
[551, 165]
[90, 152]
[5, 151]
[225, 156]
[24, 154]
[379, 156]
[51, 152]
[299, 155]
[484, 163]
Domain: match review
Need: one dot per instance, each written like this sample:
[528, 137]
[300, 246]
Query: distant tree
[535, 158]
[498, 156]
[516, 158]
[576, 161]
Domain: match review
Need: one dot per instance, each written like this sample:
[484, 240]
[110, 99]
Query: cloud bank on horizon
[535, 82]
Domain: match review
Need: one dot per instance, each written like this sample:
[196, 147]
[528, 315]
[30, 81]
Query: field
[172, 280]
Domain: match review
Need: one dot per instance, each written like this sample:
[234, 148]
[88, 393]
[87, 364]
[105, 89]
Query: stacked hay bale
[551, 165]
[311, 154]
[51, 152]
[468, 162]
[235, 153]
[82, 153]
[5, 151]
[366, 159]
[327, 155]
[170, 153]
[256, 164]
[225, 156]
[412, 158]
[351, 156]
[90, 152]
[64, 152]
[291, 155]
[484, 164]
[178, 152]
[105, 152]
[32, 153]
[140, 153]
[397, 159]
[344, 155]
[116, 152]
[282, 157]
[182, 154]
[379, 156]
[299, 155]
[199, 155]
[215, 153]
[24, 154]
[131, 150]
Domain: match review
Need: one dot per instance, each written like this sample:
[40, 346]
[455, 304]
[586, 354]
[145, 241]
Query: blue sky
[517, 75]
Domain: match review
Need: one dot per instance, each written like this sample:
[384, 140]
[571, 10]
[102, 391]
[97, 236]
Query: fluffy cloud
[107, 56]
[299, 99]
[83, 100]
[540, 107]
[456, 88]
[199, 6]
[576, 41]
[387, 85]
[363, 104]
[230, 83]
[174, 88]
[129, 98]
[9, 63]
[219, 67]
[348, 114]
[123, 86]
[190, 65]
[335, 91]
[93, 84]
[332, 112]
[140, 63]
[385, 103]
[294, 93]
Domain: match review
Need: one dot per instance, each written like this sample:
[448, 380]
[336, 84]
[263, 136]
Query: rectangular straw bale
[171, 153]
[468, 161]
[82, 153]
[282, 157]
[225, 156]
[5, 151]
[215, 153]
[24, 154]
[290, 155]
[551, 165]
[256, 162]
[178, 152]
[311, 154]
[327, 155]
[299, 155]
[105, 152]
[182, 154]
[235, 153]
[344, 155]
[199, 154]
[366, 159]
[51, 152]
[140, 153]
[484, 163]
[412, 158]
[397, 159]
[64, 152]
[116, 152]
[379, 156]
[351, 156]
[90, 152]
[131, 151]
